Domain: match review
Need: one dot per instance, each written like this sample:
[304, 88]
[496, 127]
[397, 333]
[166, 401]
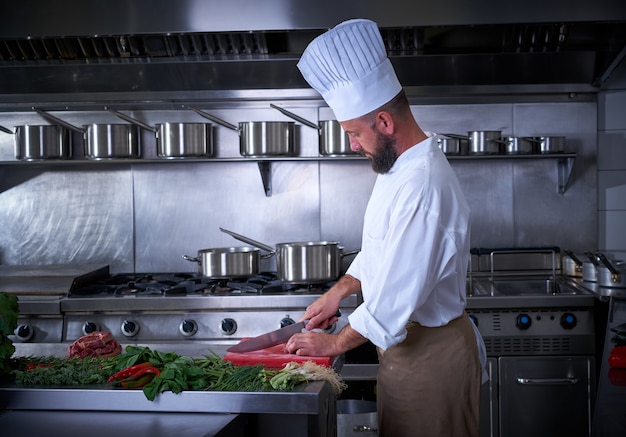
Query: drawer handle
[547, 381]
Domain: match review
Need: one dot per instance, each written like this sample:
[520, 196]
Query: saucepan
[104, 141]
[178, 140]
[571, 265]
[334, 141]
[549, 144]
[260, 138]
[227, 262]
[590, 268]
[457, 145]
[38, 142]
[486, 142]
[611, 274]
[304, 262]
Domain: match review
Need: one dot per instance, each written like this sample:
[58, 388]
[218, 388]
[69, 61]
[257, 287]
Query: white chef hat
[348, 66]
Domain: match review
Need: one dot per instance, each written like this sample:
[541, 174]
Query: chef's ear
[384, 122]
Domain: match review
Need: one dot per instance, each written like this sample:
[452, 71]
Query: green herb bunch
[9, 311]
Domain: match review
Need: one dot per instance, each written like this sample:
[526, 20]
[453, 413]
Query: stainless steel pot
[39, 142]
[611, 274]
[590, 268]
[571, 265]
[333, 141]
[104, 141]
[548, 145]
[481, 142]
[456, 145]
[260, 138]
[517, 146]
[178, 140]
[305, 262]
[227, 262]
[485, 142]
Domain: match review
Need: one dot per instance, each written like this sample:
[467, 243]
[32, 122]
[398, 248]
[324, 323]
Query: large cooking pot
[227, 262]
[482, 142]
[334, 141]
[590, 268]
[178, 140]
[260, 138]
[305, 262]
[104, 141]
[571, 265]
[611, 274]
[547, 145]
[38, 142]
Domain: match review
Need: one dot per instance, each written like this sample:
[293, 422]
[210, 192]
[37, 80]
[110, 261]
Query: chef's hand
[322, 313]
[312, 344]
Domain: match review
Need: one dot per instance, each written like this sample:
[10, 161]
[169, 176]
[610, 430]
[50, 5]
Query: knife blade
[269, 339]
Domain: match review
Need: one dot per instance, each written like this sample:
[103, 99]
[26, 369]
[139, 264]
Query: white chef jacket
[415, 248]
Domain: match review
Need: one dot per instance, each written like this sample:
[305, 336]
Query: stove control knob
[286, 322]
[89, 327]
[523, 321]
[229, 326]
[130, 328]
[568, 320]
[24, 332]
[188, 327]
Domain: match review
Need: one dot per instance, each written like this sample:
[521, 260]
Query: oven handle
[547, 381]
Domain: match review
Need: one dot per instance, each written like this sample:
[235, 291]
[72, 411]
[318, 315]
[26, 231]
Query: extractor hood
[189, 48]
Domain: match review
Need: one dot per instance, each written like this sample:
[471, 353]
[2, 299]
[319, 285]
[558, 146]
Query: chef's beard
[385, 156]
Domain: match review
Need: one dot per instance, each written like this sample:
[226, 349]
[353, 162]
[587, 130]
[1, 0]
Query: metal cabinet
[546, 396]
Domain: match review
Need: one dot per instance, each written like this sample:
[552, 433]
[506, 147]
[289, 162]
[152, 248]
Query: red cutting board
[273, 357]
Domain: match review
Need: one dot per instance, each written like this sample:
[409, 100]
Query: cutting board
[273, 357]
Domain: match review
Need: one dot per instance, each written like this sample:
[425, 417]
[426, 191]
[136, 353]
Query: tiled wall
[612, 165]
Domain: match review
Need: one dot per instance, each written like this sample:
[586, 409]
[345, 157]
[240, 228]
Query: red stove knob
[523, 321]
[89, 327]
[228, 326]
[130, 328]
[24, 332]
[188, 327]
[568, 320]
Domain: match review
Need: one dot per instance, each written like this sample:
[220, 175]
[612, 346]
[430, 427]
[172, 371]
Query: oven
[539, 331]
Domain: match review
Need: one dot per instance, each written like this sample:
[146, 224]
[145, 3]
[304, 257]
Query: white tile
[612, 190]
[612, 150]
[612, 230]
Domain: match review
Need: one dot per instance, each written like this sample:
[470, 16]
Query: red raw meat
[273, 357]
[94, 344]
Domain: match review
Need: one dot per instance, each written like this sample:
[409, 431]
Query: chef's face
[368, 140]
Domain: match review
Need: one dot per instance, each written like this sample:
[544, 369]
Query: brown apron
[429, 385]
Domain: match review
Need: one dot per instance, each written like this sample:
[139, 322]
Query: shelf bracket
[265, 168]
[565, 171]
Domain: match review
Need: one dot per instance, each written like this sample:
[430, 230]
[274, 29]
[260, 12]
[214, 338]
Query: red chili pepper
[617, 357]
[140, 381]
[33, 366]
[129, 371]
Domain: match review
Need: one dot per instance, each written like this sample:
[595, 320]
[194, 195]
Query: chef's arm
[321, 313]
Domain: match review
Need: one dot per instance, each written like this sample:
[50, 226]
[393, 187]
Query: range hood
[201, 49]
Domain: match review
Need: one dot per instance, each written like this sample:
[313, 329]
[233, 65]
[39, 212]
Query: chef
[414, 253]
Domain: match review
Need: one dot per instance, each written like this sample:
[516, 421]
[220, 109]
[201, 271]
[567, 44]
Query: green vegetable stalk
[9, 310]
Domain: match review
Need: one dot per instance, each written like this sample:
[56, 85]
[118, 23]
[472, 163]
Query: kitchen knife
[270, 339]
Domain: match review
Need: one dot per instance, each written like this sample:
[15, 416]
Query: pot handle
[214, 119]
[249, 241]
[296, 117]
[55, 120]
[132, 120]
[7, 130]
[573, 257]
[456, 136]
[531, 139]
[350, 252]
[593, 258]
[191, 258]
[604, 260]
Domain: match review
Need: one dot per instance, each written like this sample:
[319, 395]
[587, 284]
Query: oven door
[546, 396]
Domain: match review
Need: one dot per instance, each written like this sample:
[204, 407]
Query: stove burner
[177, 284]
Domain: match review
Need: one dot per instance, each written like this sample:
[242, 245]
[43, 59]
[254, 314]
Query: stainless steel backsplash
[144, 216]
